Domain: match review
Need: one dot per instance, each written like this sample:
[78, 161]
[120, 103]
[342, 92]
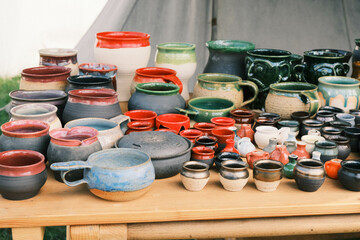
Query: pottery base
[119, 196]
[193, 184]
[19, 196]
[267, 186]
[233, 185]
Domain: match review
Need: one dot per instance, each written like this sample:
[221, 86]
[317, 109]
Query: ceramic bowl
[194, 175]
[267, 174]
[205, 127]
[191, 134]
[142, 115]
[176, 122]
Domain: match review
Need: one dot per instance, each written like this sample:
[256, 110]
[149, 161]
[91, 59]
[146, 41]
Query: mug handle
[299, 71]
[175, 80]
[186, 111]
[346, 68]
[251, 85]
[314, 102]
[120, 119]
[66, 167]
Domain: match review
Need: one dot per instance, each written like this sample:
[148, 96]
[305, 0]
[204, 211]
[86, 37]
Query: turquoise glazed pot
[203, 109]
[341, 92]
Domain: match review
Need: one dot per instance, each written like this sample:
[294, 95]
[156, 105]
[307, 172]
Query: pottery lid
[159, 145]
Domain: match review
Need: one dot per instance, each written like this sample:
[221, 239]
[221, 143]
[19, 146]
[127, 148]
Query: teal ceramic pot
[286, 98]
[203, 109]
[319, 63]
[289, 167]
[328, 150]
[341, 92]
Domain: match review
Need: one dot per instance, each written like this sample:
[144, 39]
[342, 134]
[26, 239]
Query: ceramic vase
[245, 146]
[60, 57]
[289, 167]
[194, 175]
[246, 131]
[256, 155]
[300, 151]
[233, 175]
[332, 168]
[280, 154]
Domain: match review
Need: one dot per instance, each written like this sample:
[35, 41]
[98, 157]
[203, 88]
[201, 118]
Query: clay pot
[330, 132]
[310, 124]
[194, 175]
[207, 141]
[242, 116]
[253, 156]
[233, 175]
[191, 134]
[225, 156]
[267, 174]
[142, 116]
[328, 150]
[264, 121]
[349, 175]
[289, 167]
[300, 151]
[309, 174]
[223, 122]
[203, 154]
[300, 116]
[343, 146]
[346, 118]
[99, 70]
[244, 146]
[175, 122]
[139, 127]
[59, 57]
[264, 133]
[310, 141]
[88, 82]
[246, 131]
[205, 127]
[230, 146]
[325, 116]
[222, 134]
[280, 154]
[332, 168]
[354, 135]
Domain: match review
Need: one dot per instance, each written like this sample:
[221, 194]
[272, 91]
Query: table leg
[30, 233]
[98, 232]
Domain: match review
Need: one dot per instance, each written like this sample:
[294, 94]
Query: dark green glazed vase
[319, 63]
[289, 167]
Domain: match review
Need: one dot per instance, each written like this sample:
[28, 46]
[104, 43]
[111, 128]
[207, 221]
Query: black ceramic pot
[340, 125]
[300, 116]
[88, 82]
[309, 174]
[310, 124]
[332, 109]
[328, 150]
[276, 117]
[356, 114]
[349, 174]
[325, 116]
[343, 145]
[354, 135]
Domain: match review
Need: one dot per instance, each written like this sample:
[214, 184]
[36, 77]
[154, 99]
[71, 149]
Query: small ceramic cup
[354, 135]
[194, 175]
[309, 174]
[223, 122]
[328, 150]
[300, 116]
[142, 116]
[191, 134]
[203, 154]
[310, 124]
[242, 116]
[267, 174]
[340, 125]
[233, 175]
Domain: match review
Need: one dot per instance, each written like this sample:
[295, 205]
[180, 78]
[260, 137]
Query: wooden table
[169, 211]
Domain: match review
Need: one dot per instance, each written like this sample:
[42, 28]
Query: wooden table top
[167, 200]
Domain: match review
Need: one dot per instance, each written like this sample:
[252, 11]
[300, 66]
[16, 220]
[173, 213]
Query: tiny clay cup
[205, 127]
[309, 174]
[139, 127]
[191, 134]
[141, 116]
[267, 174]
[223, 122]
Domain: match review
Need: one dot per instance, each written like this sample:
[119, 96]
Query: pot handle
[66, 167]
[175, 80]
[120, 119]
[299, 71]
[346, 68]
[251, 85]
[186, 111]
[314, 102]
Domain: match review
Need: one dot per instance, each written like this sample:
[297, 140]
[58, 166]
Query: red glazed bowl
[191, 134]
[176, 122]
[142, 126]
[223, 121]
[242, 116]
[25, 128]
[222, 134]
[142, 116]
[205, 127]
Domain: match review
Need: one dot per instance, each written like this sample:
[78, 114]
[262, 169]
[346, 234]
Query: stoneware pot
[356, 114]
[22, 174]
[25, 134]
[340, 125]
[345, 117]
[88, 82]
[264, 121]
[300, 116]
[332, 168]
[309, 174]
[292, 124]
[225, 156]
[332, 109]
[310, 124]
[44, 78]
[180, 57]
[330, 132]
[176, 122]
[84, 103]
[128, 51]
[112, 174]
[207, 141]
[349, 175]
[289, 167]
[328, 150]
[310, 141]
[233, 175]
[205, 127]
[203, 154]
[242, 116]
[341, 92]
[138, 127]
[244, 146]
[343, 146]
[255, 155]
[224, 86]
[99, 70]
[160, 98]
[222, 134]
[325, 116]
[194, 175]
[267, 174]
[280, 154]
[59, 57]
[354, 135]
[142, 116]
[298, 97]
[76, 144]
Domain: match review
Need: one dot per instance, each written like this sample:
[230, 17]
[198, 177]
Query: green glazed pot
[286, 98]
[224, 86]
[203, 109]
[341, 92]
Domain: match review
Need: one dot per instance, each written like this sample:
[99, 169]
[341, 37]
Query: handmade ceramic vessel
[139, 127]
[88, 82]
[346, 118]
[142, 116]
[271, 146]
[246, 131]
[233, 175]
[275, 116]
[343, 146]
[332, 168]
[128, 51]
[223, 122]
[191, 134]
[242, 116]
[264, 133]
[205, 127]
[225, 156]
[330, 132]
[349, 175]
[222, 135]
[178, 56]
[347, 54]
[175, 122]
[194, 175]
[300, 151]
[310, 124]
[356, 114]
[354, 135]
[300, 116]
[59, 57]
[255, 155]
[264, 121]
[309, 174]
[112, 174]
[310, 141]
[203, 154]
[280, 154]
[207, 141]
[328, 150]
[292, 124]
[325, 116]
[289, 167]
[245, 146]
[332, 109]
[230, 146]
[267, 174]
[99, 70]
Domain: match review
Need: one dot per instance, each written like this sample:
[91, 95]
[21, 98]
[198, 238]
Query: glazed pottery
[112, 174]
[54, 97]
[139, 127]
[319, 63]
[343, 146]
[203, 154]
[205, 127]
[325, 116]
[332, 109]
[83, 103]
[44, 78]
[225, 156]
[330, 132]
[256, 155]
[300, 151]
[332, 168]
[310, 141]
[203, 109]
[128, 51]
[356, 114]
[346, 118]
[328, 150]
[160, 98]
[300, 116]
[60, 57]
[25, 134]
[290, 145]
[267, 174]
[207, 141]
[245, 146]
[271, 146]
[109, 131]
[222, 134]
[223, 122]
[76, 144]
[88, 82]
[310, 124]
[347, 54]
[356, 60]
[264, 133]
[242, 116]
[194, 175]
[316, 155]
[168, 151]
[22, 174]
[295, 60]
[99, 69]
[246, 131]
[264, 121]
[349, 175]
[191, 134]
[289, 167]
[341, 92]
[276, 117]
[265, 67]
[297, 96]
[230, 146]
[175, 122]
[280, 154]
[309, 174]
[224, 86]
[292, 124]
[233, 175]
[37, 111]
[178, 56]
[227, 56]
[155, 74]
[354, 135]
[142, 116]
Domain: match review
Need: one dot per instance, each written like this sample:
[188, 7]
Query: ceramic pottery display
[255, 155]
[233, 175]
[242, 116]
[246, 131]
[22, 174]
[203, 154]
[297, 96]
[204, 127]
[160, 98]
[25, 134]
[207, 141]
[346, 118]
[112, 174]
[142, 116]
[37, 111]
[245, 146]
[176, 122]
[88, 82]
[168, 151]
[223, 122]
[354, 135]
[310, 141]
[356, 114]
[76, 144]
[340, 125]
[139, 127]
[109, 131]
[280, 154]
[128, 51]
[289, 167]
[54, 97]
[310, 124]
[265, 67]
[349, 175]
[222, 134]
[264, 133]
[230, 146]
[292, 124]
[59, 57]
[343, 146]
[99, 70]
[194, 175]
[44, 78]
[83, 103]
[309, 174]
[300, 151]
[271, 146]
[203, 109]
[356, 60]
[328, 150]
[319, 63]
[325, 116]
[267, 174]
[224, 86]
[332, 168]
[178, 56]
[300, 116]
[330, 132]
[225, 156]
[191, 134]
[332, 109]
[264, 121]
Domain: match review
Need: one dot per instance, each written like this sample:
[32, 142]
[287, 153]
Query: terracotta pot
[175, 122]
[222, 134]
[205, 127]
[60, 57]
[242, 116]
[280, 154]
[203, 154]
[139, 127]
[230, 146]
[191, 134]
[332, 168]
[207, 141]
[246, 131]
[99, 70]
[300, 151]
[142, 116]
[223, 121]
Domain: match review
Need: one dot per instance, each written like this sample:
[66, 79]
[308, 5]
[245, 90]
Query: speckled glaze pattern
[309, 174]
[267, 174]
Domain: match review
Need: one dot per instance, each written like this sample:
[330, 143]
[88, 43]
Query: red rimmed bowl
[223, 121]
[139, 127]
[176, 122]
[242, 116]
[205, 127]
[222, 134]
[203, 154]
[191, 134]
[142, 116]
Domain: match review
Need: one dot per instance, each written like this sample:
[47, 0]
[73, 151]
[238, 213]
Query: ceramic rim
[176, 46]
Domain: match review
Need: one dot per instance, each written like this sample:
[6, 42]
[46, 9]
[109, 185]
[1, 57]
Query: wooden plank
[28, 233]
[85, 232]
[113, 232]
